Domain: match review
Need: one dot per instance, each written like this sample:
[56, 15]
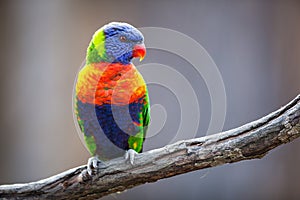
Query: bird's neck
[96, 59]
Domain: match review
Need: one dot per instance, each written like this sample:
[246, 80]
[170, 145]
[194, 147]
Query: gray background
[255, 44]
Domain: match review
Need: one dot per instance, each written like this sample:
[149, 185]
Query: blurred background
[255, 44]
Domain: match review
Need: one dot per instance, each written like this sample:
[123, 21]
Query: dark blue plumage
[116, 123]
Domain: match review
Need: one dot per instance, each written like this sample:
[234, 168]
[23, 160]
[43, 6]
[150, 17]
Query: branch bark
[250, 141]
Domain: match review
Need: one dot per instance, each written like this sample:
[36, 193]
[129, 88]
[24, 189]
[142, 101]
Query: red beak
[139, 51]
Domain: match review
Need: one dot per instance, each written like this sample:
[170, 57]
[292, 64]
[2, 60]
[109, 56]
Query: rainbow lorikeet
[111, 100]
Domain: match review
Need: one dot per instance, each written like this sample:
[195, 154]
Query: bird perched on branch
[111, 102]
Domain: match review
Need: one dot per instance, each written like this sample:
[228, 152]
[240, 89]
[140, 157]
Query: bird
[111, 101]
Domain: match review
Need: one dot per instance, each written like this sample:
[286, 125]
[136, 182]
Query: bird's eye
[123, 38]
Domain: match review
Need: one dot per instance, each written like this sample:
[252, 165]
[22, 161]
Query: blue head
[116, 42]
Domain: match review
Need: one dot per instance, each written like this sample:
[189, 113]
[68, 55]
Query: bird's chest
[109, 84]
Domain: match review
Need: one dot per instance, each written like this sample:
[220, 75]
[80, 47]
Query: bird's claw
[130, 155]
[94, 164]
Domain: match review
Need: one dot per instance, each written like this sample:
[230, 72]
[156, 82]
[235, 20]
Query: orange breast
[109, 83]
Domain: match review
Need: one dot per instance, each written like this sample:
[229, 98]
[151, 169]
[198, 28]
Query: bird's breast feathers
[110, 83]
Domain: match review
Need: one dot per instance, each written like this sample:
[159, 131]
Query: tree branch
[249, 141]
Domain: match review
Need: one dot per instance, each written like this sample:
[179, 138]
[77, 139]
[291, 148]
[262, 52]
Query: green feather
[136, 142]
[96, 50]
[146, 111]
[91, 144]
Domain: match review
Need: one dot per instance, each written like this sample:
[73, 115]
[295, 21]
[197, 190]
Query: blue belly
[111, 126]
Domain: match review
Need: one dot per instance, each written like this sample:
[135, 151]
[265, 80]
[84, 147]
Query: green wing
[146, 115]
[136, 142]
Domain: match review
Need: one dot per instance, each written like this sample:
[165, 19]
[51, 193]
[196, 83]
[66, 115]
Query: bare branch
[250, 141]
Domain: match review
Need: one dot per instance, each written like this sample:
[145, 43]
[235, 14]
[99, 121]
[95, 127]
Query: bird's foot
[130, 155]
[93, 165]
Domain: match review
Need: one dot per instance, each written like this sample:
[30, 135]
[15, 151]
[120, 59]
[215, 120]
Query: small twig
[250, 141]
